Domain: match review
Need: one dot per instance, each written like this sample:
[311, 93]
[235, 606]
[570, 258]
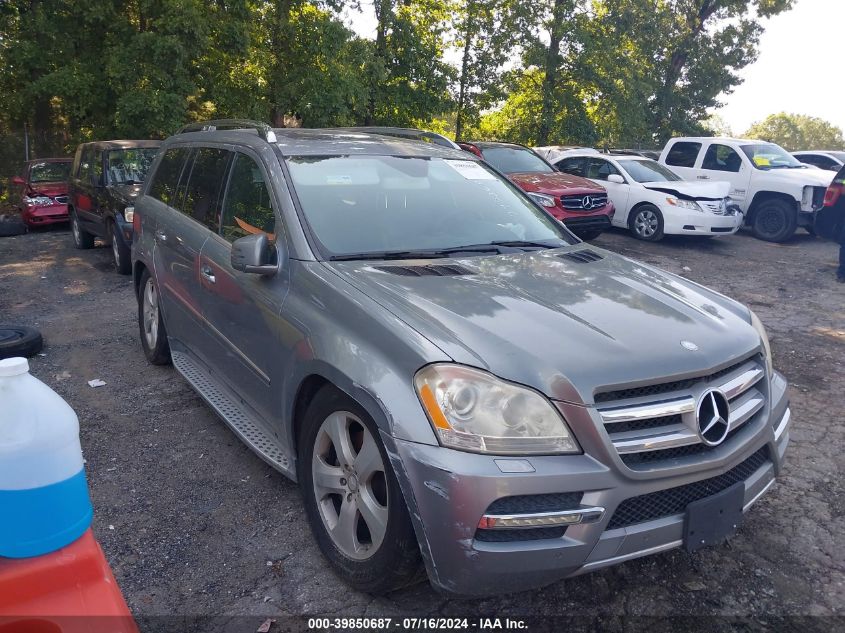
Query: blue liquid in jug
[38, 521]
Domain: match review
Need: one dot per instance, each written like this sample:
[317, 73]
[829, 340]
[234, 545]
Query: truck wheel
[352, 499]
[19, 340]
[646, 222]
[120, 252]
[81, 239]
[774, 220]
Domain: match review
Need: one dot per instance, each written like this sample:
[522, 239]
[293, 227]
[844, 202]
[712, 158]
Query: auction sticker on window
[470, 170]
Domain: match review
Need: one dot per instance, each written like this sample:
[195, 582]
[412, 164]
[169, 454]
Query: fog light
[540, 519]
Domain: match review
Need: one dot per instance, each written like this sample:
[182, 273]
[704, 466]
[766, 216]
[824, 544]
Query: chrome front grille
[719, 207]
[588, 202]
[658, 422]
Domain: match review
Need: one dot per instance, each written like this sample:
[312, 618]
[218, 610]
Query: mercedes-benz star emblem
[587, 202]
[712, 417]
[689, 345]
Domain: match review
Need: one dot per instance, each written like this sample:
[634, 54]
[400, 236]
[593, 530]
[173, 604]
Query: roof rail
[264, 130]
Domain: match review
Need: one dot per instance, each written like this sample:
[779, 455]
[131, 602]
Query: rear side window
[166, 178]
[683, 154]
[202, 194]
[721, 158]
[247, 209]
[600, 169]
[574, 166]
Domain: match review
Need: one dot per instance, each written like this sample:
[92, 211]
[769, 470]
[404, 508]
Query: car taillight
[136, 223]
[831, 196]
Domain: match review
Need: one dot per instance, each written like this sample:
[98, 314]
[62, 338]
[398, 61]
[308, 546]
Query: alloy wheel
[150, 312]
[349, 485]
[646, 223]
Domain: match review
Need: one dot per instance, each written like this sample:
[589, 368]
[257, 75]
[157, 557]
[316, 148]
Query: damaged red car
[582, 205]
[42, 188]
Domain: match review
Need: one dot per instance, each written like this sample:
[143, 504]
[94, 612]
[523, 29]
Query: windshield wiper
[524, 243]
[420, 254]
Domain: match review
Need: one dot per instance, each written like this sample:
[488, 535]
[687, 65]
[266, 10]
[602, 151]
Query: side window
[86, 166]
[599, 169]
[721, 158]
[202, 194]
[97, 166]
[166, 178]
[683, 154]
[574, 166]
[247, 208]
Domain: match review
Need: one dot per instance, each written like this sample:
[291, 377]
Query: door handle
[161, 235]
[208, 274]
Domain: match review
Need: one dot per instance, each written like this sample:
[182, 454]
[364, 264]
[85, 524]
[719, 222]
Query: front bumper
[696, 223]
[42, 215]
[449, 491]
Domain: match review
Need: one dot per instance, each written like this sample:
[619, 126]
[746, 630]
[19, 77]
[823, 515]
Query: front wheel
[120, 252]
[774, 221]
[646, 223]
[352, 498]
[151, 322]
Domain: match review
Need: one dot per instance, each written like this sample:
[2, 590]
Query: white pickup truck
[775, 191]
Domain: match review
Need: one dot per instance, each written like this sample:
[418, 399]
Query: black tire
[643, 213]
[11, 225]
[397, 561]
[81, 239]
[159, 352]
[120, 252]
[19, 340]
[775, 220]
[588, 235]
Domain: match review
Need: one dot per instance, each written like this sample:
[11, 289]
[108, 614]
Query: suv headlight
[472, 410]
[542, 199]
[684, 204]
[767, 350]
[128, 214]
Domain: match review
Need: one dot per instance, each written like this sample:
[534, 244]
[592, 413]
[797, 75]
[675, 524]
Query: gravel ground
[193, 523]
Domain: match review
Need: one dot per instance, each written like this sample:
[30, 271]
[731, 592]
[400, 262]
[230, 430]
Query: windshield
[358, 205]
[49, 172]
[770, 156]
[645, 170]
[129, 166]
[512, 160]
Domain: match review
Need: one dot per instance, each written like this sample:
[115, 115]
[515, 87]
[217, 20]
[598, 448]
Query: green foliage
[798, 132]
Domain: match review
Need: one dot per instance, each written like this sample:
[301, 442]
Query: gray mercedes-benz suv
[451, 376]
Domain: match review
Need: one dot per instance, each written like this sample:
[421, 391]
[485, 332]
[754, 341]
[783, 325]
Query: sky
[799, 67]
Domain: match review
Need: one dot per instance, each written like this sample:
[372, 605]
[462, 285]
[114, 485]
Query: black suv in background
[105, 179]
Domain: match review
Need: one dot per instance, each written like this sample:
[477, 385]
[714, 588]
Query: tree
[797, 132]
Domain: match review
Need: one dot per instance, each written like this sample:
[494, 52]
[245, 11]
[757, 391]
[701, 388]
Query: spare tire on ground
[11, 224]
[19, 340]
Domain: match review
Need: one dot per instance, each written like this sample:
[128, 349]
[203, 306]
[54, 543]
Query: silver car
[453, 378]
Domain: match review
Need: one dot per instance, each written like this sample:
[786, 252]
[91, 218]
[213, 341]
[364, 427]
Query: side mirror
[619, 180]
[17, 180]
[253, 254]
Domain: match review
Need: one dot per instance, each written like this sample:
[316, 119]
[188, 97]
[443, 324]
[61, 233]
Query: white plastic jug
[44, 502]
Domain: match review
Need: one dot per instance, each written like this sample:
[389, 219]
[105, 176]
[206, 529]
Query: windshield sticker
[339, 179]
[762, 161]
[470, 170]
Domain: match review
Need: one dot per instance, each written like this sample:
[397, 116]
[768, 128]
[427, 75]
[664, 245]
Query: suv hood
[554, 183]
[561, 326]
[692, 190]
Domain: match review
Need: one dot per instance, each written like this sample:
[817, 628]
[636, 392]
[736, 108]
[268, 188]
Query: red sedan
[582, 205]
[43, 191]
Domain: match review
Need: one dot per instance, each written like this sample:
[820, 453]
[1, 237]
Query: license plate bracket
[711, 520]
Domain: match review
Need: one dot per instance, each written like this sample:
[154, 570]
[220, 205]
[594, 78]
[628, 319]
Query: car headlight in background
[684, 204]
[128, 214]
[39, 201]
[472, 410]
[767, 350]
[542, 199]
